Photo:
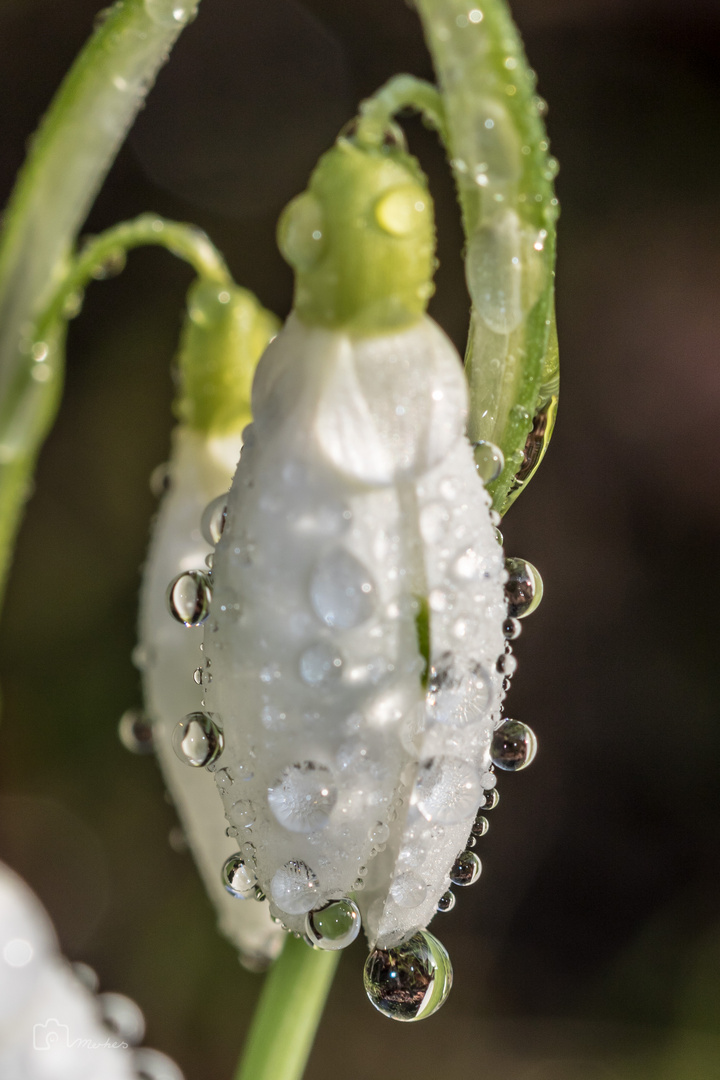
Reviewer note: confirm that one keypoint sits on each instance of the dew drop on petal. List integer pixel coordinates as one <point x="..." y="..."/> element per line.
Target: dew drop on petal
<point x="466" y="869"/>
<point x="492" y="798"/>
<point x="295" y="888"/>
<point x="342" y="591"/>
<point x="446" y="902"/>
<point x="123" y="1017"/>
<point x="152" y="1065"/>
<point x="238" y="877"/>
<point x="523" y="589"/>
<point x="409" y="982"/>
<point x="334" y="926"/>
<point x="135" y="732"/>
<point x="212" y="522"/>
<point x="408" y="890"/>
<point x="512" y="629"/>
<point x="303" y="796"/>
<point x="321" y="665"/>
<point x="480" y="826"/>
<point x="513" y="746"/>
<point x="197" y="739"/>
<point x="489" y="460"/>
<point x="189" y="596"/>
<point x="447" y="790"/>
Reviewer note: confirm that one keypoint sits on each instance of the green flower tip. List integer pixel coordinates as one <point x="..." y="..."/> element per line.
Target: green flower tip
<point x="224" y="335"/>
<point x="361" y="240"/>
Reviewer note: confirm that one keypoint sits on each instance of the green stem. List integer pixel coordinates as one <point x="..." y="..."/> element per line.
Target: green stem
<point x="288" y="1014"/>
<point x="68" y="159"/>
<point x="400" y="92"/>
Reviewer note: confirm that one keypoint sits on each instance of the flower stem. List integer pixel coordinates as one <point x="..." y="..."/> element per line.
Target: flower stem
<point x="288" y="1014"/>
<point x="68" y="159"/>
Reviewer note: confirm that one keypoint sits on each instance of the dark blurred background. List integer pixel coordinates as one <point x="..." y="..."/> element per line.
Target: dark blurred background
<point x="590" y="949"/>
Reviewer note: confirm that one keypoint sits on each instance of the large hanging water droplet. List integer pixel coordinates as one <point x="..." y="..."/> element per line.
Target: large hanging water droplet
<point x="411" y="981"/>
<point x="198" y="739"/>
<point x="335" y="926"/>
<point x="489" y="460"/>
<point x="523" y="589"/>
<point x="239" y="878"/>
<point x="342" y="591"/>
<point x="321" y="665"/>
<point x="135" y="732"/>
<point x="466" y="869"/>
<point x="447" y="790"/>
<point x="513" y="746"/>
<point x="212" y="521"/>
<point x="295" y="888"/>
<point x="303" y="796"/>
<point x="189" y="596"/>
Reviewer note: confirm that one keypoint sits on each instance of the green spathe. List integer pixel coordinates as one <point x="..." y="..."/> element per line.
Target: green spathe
<point x="361" y="240"/>
<point x="224" y="335"/>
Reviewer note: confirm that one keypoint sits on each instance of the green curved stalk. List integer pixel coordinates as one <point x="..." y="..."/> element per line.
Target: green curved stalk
<point x="498" y="151"/>
<point x="68" y="159"/>
<point x="287" y="1017"/>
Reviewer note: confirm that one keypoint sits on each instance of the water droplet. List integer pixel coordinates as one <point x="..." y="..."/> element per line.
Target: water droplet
<point x="123" y="1017"/>
<point x="321" y="665"/>
<point x="243" y="814"/>
<point x="379" y="833"/>
<point x="303" y="797"/>
<point x="411" y="981"/>
<point x="213" y="519"/>
<point x="492" y="798"/>
<point x="438" y="600"/>
<point x="295" y="888"/>
<point x="114" y="262"/>
<point x="433" y="519"/>
<point x="197" y="739"/>
<point x="189" y="596"/>
<point x="447" y="790"/>
<point x="466" y="567"/>
<point x="238" y="878"/>
<point x="300" y="231"/>
<point x="489" y="460"/>
<point x="160" y="479"/>
<point x="480" y="826"/>
<point x="135" y="732"/>
<point x="152" y="1065"/>
<point x="170" y="12"/>
<point x="342" y="591"/>
<point x="466" y="869"/>
<point x="87" y="976"/>
<point x="446" y="902"/>
<point x="402" y="210"/>
<point x="523" y="589"/>
<point x="513" y="746"/>
<point x="511" y="629"/>
<point x="177" y="840"/>
<point x="408" y="890"/>
<point x="73" y="304"/>
<point x="198" y="676"/>
<point x="505" y="274"/>
<point x="335" y="926"/>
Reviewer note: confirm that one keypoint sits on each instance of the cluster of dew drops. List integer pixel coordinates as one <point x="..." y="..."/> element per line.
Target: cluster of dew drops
<point x="410" y="981"/>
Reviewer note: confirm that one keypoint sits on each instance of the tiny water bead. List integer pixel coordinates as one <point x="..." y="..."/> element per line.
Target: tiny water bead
<point x="123" y="1016"/>
<point x="198" y="739"/>
<point x="239" y="878"/>
<point x="135" y="732"/>
<point x="409" y="982"/>
<point x="523" y="589"/>
<point x="489" y="460"/>
<point x="512" y="629"/>
<point x="295" y="888"/>
<point x="466" y="869"/>
<point x="335" y="926"/>
<point x="408" y="890"/>
<point x="303" y="796"/>
<point x="513" y="746"/>
<point x="446" y="902"/>
<point x="492" y="798"/>
<point x="189" y="596"/>
<point x="342" y="591"/>
<point x="212" y="522"/>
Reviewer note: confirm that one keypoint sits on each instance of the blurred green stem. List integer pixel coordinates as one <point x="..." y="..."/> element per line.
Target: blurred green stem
<point x="288" y="1014"/>
<point x="68" y="159"/>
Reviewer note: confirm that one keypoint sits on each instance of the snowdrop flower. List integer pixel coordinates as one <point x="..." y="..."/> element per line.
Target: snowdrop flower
<point x="225" y="333"/>
<point x="358" y="624"/>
